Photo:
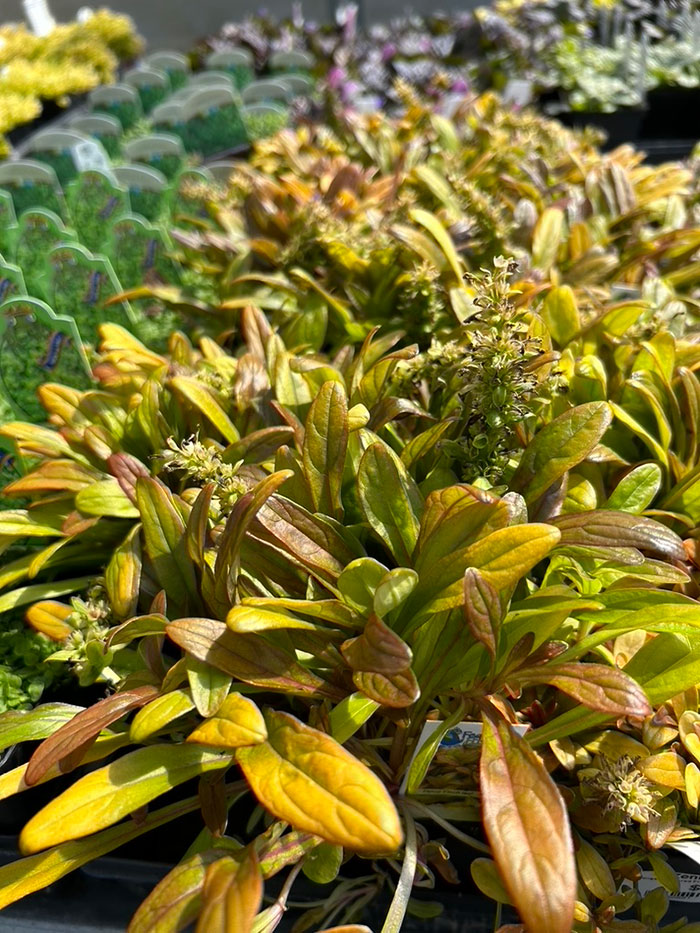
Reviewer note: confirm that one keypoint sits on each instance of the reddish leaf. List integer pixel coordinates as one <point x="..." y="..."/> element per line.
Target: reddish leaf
<point x="127" y="470"/>
<point x="67" y="746"/>
<point x="249" y="658"/>
<point x="377" y="649"/>
<point x="528" y="828"/>
<point x="396" y="691"/>
<point x="482" y="609"/>
<point x="608" y="528"/>
<point x="597" y="686"/>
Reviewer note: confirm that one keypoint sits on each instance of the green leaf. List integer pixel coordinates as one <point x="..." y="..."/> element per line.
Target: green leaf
<point x="106" y="498"/>
<point x="209" y="687"/>
<point x="103" y="797"/>
<point x="350" y="715"/>
<point x="306" y="778"/>
<point x="159" y="714"/>
<point x="559" y="447"/>
<point x="637" y="489"/>
<point x="164" y="534"/>
<point x="393" y="590"/>
<point x="31" y="725"/>
<point x="324" y="448"/>
<point x="322" y="864"/>
<point x="358" y="582"/>
<point x="527" y="826"/>
<point x="203" y="400"/>
<point x="390" y="501"/>
<point x="560" y="313"/>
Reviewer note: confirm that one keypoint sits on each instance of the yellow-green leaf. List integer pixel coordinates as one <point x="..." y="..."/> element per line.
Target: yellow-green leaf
<point x="546" y="240"/>
<point x="123" y="575"/>
<point x="237" y="723"/>
<point x="559" y="447"/>
<point x="560" y="313"/>
<point x="232" y="894"/>
<point x="159" y="713"/>
<point x="306" y="778"/>
<point x="106" y="498"/>
<point x="202" y="399"/>
<point x="103" y="797"/>
<point x="26" y="875"/>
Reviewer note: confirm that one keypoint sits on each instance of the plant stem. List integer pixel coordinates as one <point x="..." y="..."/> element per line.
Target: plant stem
<point x="402" y="894"/>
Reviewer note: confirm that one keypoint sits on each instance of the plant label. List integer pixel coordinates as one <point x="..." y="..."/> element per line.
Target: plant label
<point x="464" y="735"/>
<point x="37" y="346"/>
<point x="32" y="184"/>
<point x="146" y="187"/>
<point x="39" y="17"/>
<point x="95" y="200"/>
<point x="40" y="231"/>
<point x="89" y="155"/>
<point x="81" y="286"/>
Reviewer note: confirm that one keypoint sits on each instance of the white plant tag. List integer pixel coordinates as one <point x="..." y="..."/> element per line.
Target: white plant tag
<point x="518" y="92"/>
<point x="39" y="17"/>
<point x="89" y="156"/>
<point x="688" y="847"/>
<point x="688" y="886"/>
<point x="463" y="735"/>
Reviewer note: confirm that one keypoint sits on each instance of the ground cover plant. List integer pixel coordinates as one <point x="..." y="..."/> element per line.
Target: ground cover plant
<point x="427" y="455"/>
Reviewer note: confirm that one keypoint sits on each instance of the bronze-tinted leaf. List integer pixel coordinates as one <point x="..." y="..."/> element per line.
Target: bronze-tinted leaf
<point x="324" y="448"/>
<point x="528" y="828"/>
<point x="482" y="609"/>
<point x="608" y="528"/>
<point x="127" y="470"/>
<point x="394" y="690"/>
<point x="377" y="649"/>
<point x="598" y="687"/>
<point x="249" y="658"/>
<point x="69" y="743"/>
<point x="232" y="894"/>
